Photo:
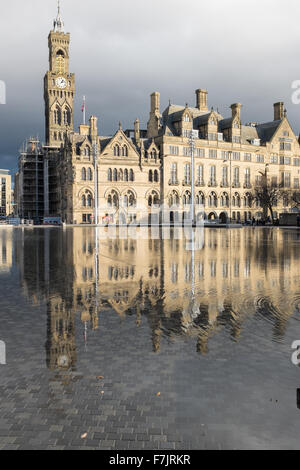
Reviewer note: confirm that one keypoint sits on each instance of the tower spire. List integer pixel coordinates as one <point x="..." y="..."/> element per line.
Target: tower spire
<point x="58" y="22"/>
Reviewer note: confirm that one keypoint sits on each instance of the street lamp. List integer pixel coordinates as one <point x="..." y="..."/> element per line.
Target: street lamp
<point x="95" y="152"/>
<point x="264" y="187"/>
<point x="192" y="136"/>
<point x="230" y="183"/>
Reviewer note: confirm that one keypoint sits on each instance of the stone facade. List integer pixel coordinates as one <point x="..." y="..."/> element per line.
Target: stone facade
<point x="230" y="158"/>
<point x="139" y="170"/>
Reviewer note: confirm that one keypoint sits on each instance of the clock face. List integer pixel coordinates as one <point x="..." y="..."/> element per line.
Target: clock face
<point x="61" y="82"/>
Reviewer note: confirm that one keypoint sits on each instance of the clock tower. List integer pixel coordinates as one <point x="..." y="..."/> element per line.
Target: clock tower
<point x="59" y="86"/>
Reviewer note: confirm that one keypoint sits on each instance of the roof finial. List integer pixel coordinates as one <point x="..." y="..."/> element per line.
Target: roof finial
<point x="58" y="22"/>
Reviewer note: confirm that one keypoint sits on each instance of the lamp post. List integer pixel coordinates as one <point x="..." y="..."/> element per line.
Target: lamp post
<point x="265" y="187"/>
<point x="192" y="136"/>
<point x="95" y="152"/>
<point x="230" y="183"/>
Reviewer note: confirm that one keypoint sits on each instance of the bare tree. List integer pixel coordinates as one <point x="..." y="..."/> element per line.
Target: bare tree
<point x="294" y="198"/>
<point x="267" y="195"/>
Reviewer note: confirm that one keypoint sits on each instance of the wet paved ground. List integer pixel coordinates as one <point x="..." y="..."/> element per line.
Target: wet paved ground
<point x="240" y="394"/>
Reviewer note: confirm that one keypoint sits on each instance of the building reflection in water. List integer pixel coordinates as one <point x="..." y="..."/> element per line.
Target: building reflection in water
<point x="179" y="291"/>
<point x="6" y="249"/>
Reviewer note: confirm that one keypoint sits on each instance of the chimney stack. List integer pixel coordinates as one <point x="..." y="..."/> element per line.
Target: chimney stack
<point x="93" y="127"/>
<point x="236" y="110"/>
<point x="153" y="125"/>
<point x="201" y="99"/>
<point x="278" y="111"/>
<point x="137" y="131"/>
<point x="155" y="102"/>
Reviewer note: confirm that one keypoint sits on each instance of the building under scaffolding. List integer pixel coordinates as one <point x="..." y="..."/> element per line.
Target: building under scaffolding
<point x="31" y="180"/>
<point x="36" y="181"/>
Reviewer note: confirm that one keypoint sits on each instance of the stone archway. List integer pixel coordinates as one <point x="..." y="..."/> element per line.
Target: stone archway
<point x="212" y="216"/>
<point x="223" y="218"/>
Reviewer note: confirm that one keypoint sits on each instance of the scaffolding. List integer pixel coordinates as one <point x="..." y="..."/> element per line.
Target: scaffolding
<point x="31" y="180"/>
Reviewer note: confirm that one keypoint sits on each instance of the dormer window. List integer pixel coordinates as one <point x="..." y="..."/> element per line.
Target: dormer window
<point x="212" y="122"/>
<point x="255" y="142"/>
<point x="236" y="125"/>
<point x="186" y="118"/>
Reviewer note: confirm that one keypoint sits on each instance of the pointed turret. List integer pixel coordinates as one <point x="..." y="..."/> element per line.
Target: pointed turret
<point x="58" y="22"/>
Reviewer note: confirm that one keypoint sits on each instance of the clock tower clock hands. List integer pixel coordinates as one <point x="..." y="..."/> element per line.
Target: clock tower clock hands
<point x="59" y="85"/>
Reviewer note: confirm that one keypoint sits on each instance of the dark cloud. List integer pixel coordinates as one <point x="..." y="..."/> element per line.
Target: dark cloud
<point x="121" y="51"/>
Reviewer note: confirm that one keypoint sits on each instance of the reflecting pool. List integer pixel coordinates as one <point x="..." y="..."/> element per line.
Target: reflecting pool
<point x="158" y="342"/>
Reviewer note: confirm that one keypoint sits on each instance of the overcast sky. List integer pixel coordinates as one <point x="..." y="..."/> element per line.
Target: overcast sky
<point x="122" y="50"/>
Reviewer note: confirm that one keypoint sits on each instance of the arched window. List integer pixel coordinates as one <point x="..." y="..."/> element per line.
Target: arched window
<point x="153" y="199"/>
<point x="200" y="199"/>
<point x="121" y="176"/>
<point x="60" y="62"/>
<point x="109" y="175"/>
<point x="89" y="200"/>
<point x="153" y="154"/>
<point x="83" y="174"/>
<point x="89" y="174"/>
<point x="186" y="198"/>
<point x="83" y="201"/>
<point x="113" y="199"/>
<point x="174" y="199"/>
<point x="115" y="175"/>
<point x="150" y="176"/>
<point x="125" y="151"/>
<point x="67" y="116"/>
<point x="57" y="115"/>
<point x="125" y="174"/>
<point x="131" y="175"/>
<point x="116" y="151"/>
<point x="236" y="200"/>
<point x="129" y="199"/>
<point x="248" y="198"/>
<point x="213" y="200"/>
<point x="224" y="200"/>
<point x="156" y="178"/>
<point x="55" y="136"/>
<point x="86" y="151"/>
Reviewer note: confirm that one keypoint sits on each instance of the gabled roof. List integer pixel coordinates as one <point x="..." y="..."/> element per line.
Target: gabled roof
<point x="225" y="123"/>
<point x="204" y="118"/>
<point x="267" y="130"/>
<point x="107" y="141"/>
